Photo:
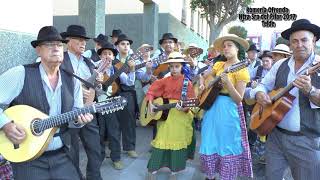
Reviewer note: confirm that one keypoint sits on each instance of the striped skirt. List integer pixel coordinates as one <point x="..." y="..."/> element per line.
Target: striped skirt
<point x="5" y="170"/>
<point x="219" y="152"/>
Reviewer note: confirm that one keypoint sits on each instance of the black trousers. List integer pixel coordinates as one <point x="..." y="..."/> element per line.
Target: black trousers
<point x="127" y="122"/>
<point x="56" y="165"/>
<point x="90" y="138"/>
<point x="119" y="123"/>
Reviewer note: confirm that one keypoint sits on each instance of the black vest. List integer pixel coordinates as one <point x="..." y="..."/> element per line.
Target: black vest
<point x="309" y="118"/>
<point x="259" y="73"/>
<point x="258" y="63"/>
<point x="33" y="94"/>
<point x="94" y="55"/>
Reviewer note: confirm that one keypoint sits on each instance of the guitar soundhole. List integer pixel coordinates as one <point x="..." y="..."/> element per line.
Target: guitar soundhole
<point x="37" y="127"/>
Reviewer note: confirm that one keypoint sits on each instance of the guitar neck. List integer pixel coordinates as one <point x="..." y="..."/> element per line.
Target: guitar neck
<point x="115" y="75"/>
<point x="282" y="92"/>
<point x="196" y="78"/>
<point x="165" y="107"/>
<point x="60" y="119"/>
<point x="212" y="83"/>
<point x="139" y="66"/>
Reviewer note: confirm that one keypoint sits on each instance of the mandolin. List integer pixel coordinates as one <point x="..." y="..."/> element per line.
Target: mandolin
<point x="213" y="85"/>
<point x="264" y="119"/>
<point x="40" y="128"/>
<point x="162" y="108"/>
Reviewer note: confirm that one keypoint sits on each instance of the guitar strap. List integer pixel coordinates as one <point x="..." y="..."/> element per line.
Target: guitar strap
<point x="86" y="83"/>
<point x="184" y="88"/>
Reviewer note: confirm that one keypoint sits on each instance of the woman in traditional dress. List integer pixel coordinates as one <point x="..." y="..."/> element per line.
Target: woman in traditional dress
<point x="174" y="143"/>
<point x="224" y="145"/>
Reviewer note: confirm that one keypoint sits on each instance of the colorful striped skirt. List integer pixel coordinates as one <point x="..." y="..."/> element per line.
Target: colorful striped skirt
<point x="5" y="170"/>
<point x="224" y="143"/>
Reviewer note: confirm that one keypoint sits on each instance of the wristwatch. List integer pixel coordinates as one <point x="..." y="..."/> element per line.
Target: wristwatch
<point x="312" y="91"/>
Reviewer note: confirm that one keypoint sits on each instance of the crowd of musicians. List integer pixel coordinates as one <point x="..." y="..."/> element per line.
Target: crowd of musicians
<point x="58" y="83"/>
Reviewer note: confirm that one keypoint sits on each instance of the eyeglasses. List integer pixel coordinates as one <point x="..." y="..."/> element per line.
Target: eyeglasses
<point x="50" y="45"/>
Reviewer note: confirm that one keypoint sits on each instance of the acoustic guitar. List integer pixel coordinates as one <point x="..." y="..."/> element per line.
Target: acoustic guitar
<point x="264" y="119"/>
<point x="213" y="85"/>
<point x="162" y="109"/>
<point x="40" y="128"/>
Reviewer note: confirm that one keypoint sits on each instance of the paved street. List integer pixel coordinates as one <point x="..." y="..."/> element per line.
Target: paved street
<point x="135" y="169"/>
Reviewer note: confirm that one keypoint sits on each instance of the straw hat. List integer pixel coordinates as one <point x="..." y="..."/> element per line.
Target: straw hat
<point x="211" y="47"/>
<point x="218" y="43"/>
<point x="281" y="49"/>
<point x="191" y="45"/>
<point x="175" y="57"/>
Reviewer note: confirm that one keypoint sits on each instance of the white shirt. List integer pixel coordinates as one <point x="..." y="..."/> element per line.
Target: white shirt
<point x="291" y="120"/>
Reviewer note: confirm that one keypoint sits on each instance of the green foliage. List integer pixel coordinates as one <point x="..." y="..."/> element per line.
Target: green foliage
<point x="250" y="42"/>
<point x="218" y="8"/>
<point x="281" y="40"/>
<point x="239" y="31"/>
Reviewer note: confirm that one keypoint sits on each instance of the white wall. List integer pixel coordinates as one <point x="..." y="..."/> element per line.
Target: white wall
<point x="25" y="16"/>
<point x="70" y="7"/>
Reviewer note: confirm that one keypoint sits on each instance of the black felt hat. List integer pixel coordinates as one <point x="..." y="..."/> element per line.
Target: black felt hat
<point x="47" y="33"/>
<point x="123" y="37"/>
<point x="101" y="39"/>
<point x="116" y="33"/>
<point x="75" y="31"/>
<point x="168" y="36"/>
<point x="109" y="46"/>
<point x="301" y="24"/>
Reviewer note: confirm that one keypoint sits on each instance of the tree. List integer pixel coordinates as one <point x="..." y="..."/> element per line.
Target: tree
<point x="218" y="13"/>
<point x="243" y="33"/>
<point x="239" y="31"/>
<point x="281" y="40"/>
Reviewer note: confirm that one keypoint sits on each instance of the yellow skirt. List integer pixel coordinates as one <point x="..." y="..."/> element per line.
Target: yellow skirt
<point x="175" y="133"/>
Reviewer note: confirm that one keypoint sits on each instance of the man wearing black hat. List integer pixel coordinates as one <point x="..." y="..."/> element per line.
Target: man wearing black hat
<point x="295" y="141"/>
<point x="115" y="35"/>
<point x="92" y="53"/>
<point x="253" y="57"/>
<point x="119" y="122"/>
<point x="75" y="62"/>
<point x="167" y="45"/>
<point x="127" y="117"/>
<point x="52" y="96"/>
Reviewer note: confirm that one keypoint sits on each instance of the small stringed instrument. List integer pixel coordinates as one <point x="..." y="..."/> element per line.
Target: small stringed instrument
<point x="162" y="109"/>
<point x="161" y="68"/>
<point x="196" y="80"/>
<point x="121" y="67"/>
<point x="213" y="85"/>
<point x="264" y="119"/>
<point x="40" y="128"/>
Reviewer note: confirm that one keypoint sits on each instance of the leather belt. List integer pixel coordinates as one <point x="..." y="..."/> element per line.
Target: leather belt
<point x="53" y="152"/>
<point x="291" y="133"/>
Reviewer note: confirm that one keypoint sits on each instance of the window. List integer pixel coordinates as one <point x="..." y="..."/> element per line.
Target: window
<point x="192" y="20"/>
<point x="184" y="13"/>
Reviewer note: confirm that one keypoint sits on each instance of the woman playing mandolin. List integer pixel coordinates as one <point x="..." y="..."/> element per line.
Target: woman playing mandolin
<point x="173" y="143"/>
<point x="224" y="143"/>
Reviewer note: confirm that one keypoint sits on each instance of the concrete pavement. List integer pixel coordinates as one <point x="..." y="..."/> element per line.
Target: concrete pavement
<point x="136" y="169"/>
